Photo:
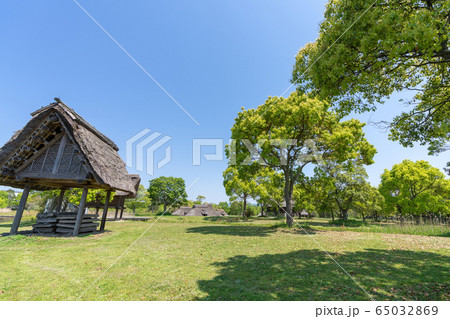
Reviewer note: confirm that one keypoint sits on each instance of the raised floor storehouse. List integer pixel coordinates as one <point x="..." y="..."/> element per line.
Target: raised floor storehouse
<point x="59" y="150"/>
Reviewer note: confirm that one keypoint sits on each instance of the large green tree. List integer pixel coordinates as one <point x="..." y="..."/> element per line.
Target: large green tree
<point x="367" y="51"/>
<point x="370" y="203"/>
<point x="167" y="191"/>
<point x="285" y="135"/>
<point x="415" y="188"/>
<point x="345" y="185"/>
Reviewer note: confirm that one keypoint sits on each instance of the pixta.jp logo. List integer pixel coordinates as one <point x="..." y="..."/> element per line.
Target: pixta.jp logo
<point x="141" y="149"/>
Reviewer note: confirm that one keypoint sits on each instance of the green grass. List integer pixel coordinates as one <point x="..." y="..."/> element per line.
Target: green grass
<point x="388" y="228"/>
<point x="224" y="259"/>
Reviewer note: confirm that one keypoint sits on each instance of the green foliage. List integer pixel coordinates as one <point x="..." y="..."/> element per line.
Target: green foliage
<point x="223" y="205"/>
<point x="7" y="198"/>
<point x="269" y="187"/>
<point x="252" y="210"/>
<point x="167" y="191"/>
<point x="141" y="202"/>
<point x="344" y="185"/>
<point x="3" y="201"/>
<point x="304" y="199"/>
<point x="365" y="54"/>
<point x="200" y="199"/>
<point x="236" y="208"/>
<point x="415" y="188"/>
<point x="302" y="131"/>
<point x="370" y="203"/>
<point x="39" y="198"/>
<point x="239" y="185"/>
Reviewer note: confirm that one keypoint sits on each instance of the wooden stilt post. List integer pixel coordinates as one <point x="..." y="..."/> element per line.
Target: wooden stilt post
<point x="105" y="211"/>
<point x="121" y="213"/>
<point x="60" y="201"/>
<point x="19" y="212"/>
<point x="80" y="214"/>
<point x="117" y="212"/>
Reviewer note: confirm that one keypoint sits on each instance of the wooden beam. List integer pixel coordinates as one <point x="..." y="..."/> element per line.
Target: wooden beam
<point x="19" y="212"/>
<point x="105" y="211"/>
<point x="60" y="154"/>
<point x="122" y="207"/>
<point x="60" y="200"/>
<point x="80" y="214"/>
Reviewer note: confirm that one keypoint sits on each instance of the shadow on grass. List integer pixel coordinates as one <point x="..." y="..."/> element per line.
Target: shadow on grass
<point x="312" y="275"/>
<point x="249" y="231"/>
<point x="228" y="219"/>
<point x="22" y="224"/>
<point x="244" y="231"/>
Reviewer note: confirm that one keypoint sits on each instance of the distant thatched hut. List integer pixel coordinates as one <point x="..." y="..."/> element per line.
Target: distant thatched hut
<point x="304" y="213"/>
<point x="58" y="149"/>
<point x="281" y="209"/>
<point x="199" y="210"/>
<point x="182" y="211"/>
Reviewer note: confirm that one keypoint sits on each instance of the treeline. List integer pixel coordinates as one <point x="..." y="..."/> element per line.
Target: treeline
<point x="411" y="190"/>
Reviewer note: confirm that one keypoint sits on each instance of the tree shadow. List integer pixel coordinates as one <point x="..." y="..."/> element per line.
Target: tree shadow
<point x="249" y="231"/>
<point x="313" y="275"/>
<point x="22" y="224"/>
<point x="244" y="231"/>
<point x="227" y="219"/>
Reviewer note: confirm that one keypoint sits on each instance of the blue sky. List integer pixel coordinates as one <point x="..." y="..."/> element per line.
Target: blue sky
<point x="212" y="56"/>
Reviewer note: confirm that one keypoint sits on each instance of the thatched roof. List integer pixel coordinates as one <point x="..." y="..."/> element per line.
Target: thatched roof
<point x="88" y="159"/>
<point x="182" y="211"/>
<point x="304" y="213"/>
<point x="202" y="210"/>
<point x="118" y="201"/>
<point x="199" y="210"/>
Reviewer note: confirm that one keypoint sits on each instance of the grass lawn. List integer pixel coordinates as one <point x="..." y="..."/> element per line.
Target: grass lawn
<point x="203" y="259"/>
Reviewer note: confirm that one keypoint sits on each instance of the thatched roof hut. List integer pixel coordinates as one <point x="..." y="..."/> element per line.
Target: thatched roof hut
<point x="182" y="211"/>
<point x="304" y="213"/>
<point x="199" y="210"/>
<point x="58" y="149"/>
<point x="87" y="156"/>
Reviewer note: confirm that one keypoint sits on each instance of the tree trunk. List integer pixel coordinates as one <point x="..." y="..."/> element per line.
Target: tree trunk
<point x="134" y="210"/>
<point x="244" y="211"/>
<point x="289" y="217"/>
<point x="345" y="215"/>
<point x="288" y="192"/>
<point x="165" y="207"/>
<point x="332" y="215"/>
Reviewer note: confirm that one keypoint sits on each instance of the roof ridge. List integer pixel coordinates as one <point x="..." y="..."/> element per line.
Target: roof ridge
<point x="77" y="118"/>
